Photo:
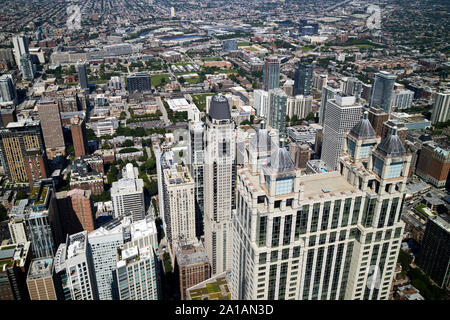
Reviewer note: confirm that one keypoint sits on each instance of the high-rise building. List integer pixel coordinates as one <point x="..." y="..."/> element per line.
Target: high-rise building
<point x="136" y="274"/>
<point x="49" y="115"/>
<point x="382" y="94"/>
<point x="27" y="67"/>
<point x="104" y="242"/>
<point x="6" y="54"/>
<point x="79" y="138"/>
<point x="433" y="165"/>
<point x="271" y="73"/>
<point x="300" y="154"/>
<point x="230" y="45"/>
<point x="14" y="263"/>
<point x="277" y="110"/>
<point x="403" y="99"/>
<point x="42" y="282"/>
<point x="23" y="154"/>
<point x="128" y="194"/>
<point x="434" y="256"/>
<point x="139" y="82"/>
<point x="299" y="106"/>
<point x="179" y="204"/>
<point x="303" y="79"/>
<point x="75" y="267"/>
<point x="83" y="207"/>
<point x="261" y="102"/>
<point x="82" y="75"/>
<point x="196" y="168"/>
<point x="377" y="117"/>
<point x="172" y="12"/>
<point x="20" y="44"/>
<point x="352" y="87"/>
<point x="39" y="216"/>
<point x="328" y="93"/>
<point x="8" y="91"/>
<point x="219" y="173"/>
<point x="326" y="236"/>
<point x="441" y="108"/>
<point x="192" y="263"/>
<point x="341" y="114"/>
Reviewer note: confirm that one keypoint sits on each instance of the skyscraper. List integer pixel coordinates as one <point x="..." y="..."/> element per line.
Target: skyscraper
<point x="27" y="67"/>
<point x="23" y="152"/>
<point x="128" y="194"/>
<point x="136" y="274"/>
<point x="326" y="236"/>
<point x="328" y="93"/>
<point x="277" y="110"/>
<point x="261" y="102"/>
<point x="179" y="205"/>
<point x="104" y="242"/>
<point x="51" y="124"/>
<point x="303" y="79"/>
<point x="382" y="94"/>
<point x="78" y="130"/>
<point x="196" y="167"/>
<point x="219" y="172"/>
<point x="42" y="282"/>
<point x="14" y="263"/>
<point x="8" y="91"/>
<point x="341" y="114"/>
<point x="20" y="44"/>
<point x="271" y="73"/>
<point x="83" y="208"/>
<point x="75" y="266"/>
<point x="441" y="107"/>
<point x="299" y="106"/>
<point x="434" y="257"/>
<point x="82" y="75"/>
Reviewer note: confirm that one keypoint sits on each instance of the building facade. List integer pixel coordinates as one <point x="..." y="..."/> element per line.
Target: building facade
<point x="219" y="173"/>
<point x="382" y="94"/>
<point x="271" y="73"/>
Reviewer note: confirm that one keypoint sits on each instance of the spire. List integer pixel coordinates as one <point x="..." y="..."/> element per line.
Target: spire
<point x="392" y="146"/>
<point x="281" y="161"/>
<point x="363" y="129"/>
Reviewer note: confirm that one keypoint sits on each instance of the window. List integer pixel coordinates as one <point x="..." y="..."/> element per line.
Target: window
<point x="262" y="258"/>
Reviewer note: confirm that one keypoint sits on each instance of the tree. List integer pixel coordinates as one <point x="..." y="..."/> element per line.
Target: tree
<point x="112" y="175"/>
<point x="310" y="117"/>
<point x="21" y="195"/>
<point x="152" y="188"/>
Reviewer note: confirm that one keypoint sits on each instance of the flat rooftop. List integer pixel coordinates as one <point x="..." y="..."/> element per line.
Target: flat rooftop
<point x="332" y="182"/>
<point x="40" y="268"/>
<point x="215" y="288"/>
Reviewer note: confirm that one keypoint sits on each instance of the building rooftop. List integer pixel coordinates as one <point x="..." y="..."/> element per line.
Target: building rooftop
<point x="319" y="184"/>
<point x="76" y="244"/>
<point x="215" y="288"/>
<point x="219" y="108"/>
<point x="191" y="254"/>
<point x="143" y="228"/>
<point x="40" y="268"/>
